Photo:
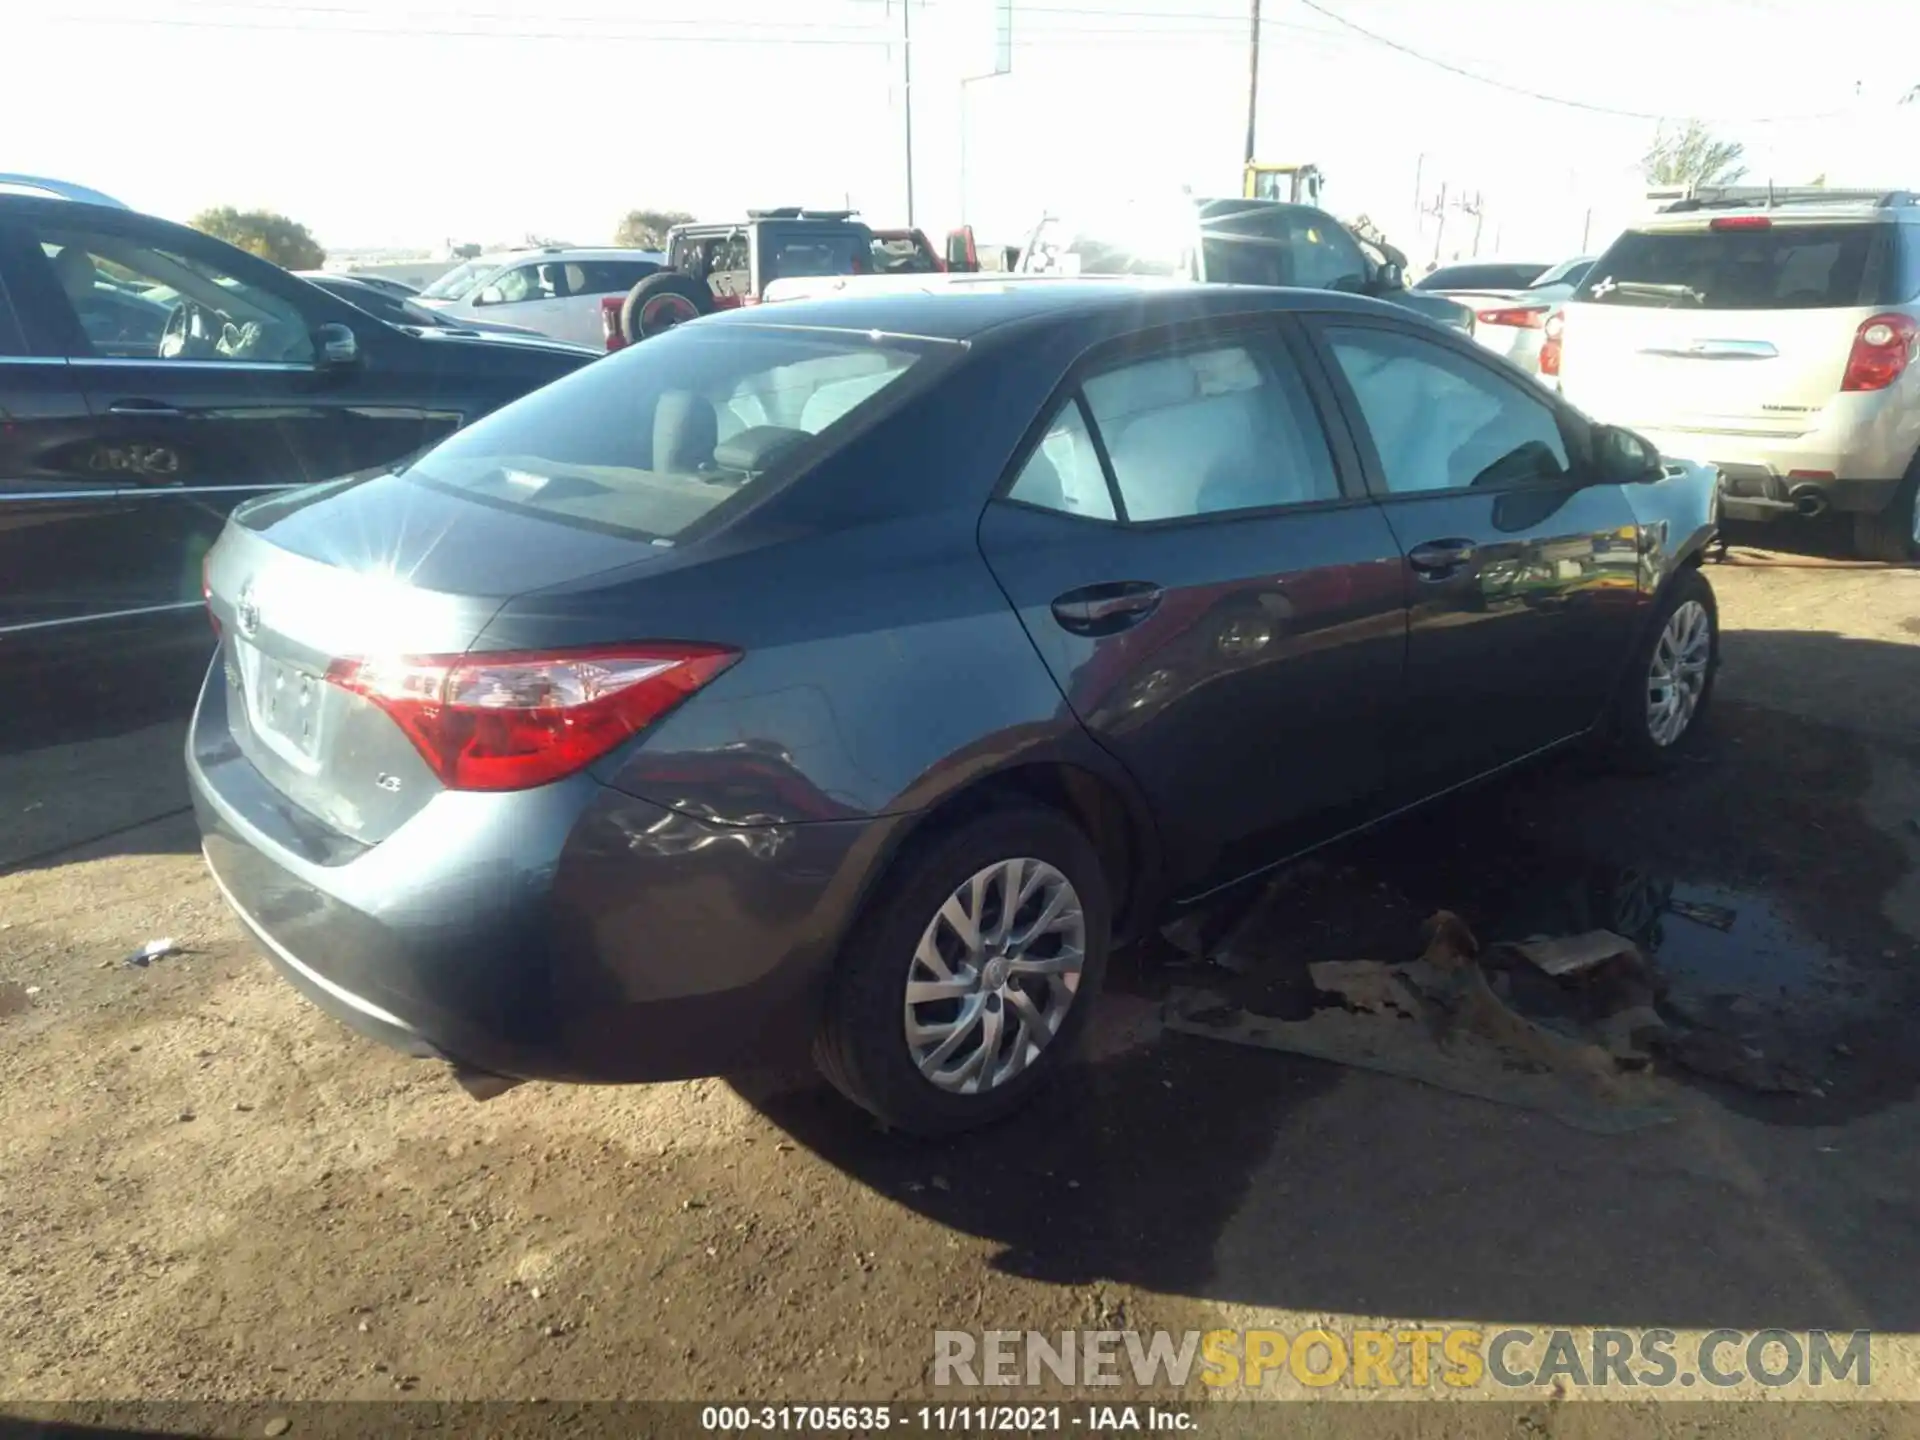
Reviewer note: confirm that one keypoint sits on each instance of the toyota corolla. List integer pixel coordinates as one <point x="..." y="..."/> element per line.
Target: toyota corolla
<point x="851" y="679"/>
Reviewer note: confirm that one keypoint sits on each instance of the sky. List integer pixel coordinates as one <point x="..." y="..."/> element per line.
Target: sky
<point x="418" y="122"/>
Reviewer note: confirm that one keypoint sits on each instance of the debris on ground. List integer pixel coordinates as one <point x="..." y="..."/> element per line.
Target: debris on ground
<point x="1572" y="1025"/>
<point x="1718" y="917"/>
<point x="153" y="950"/>
<point x="1438" y="1020"/>
<point x="15" y="999"/>
<point x="1570" y="954"/>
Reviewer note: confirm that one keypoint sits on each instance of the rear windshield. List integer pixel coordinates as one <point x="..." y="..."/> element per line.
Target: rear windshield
<point x="1481" y="277"/>
<point x="651" y="440"/>
<point x="1567" y="272"/>
<point x="816" y="250"/>
<point x="1782" y="267"/>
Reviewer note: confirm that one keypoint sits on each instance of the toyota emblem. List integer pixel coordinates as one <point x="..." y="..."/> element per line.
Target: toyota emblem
<point x="246" y="611"/>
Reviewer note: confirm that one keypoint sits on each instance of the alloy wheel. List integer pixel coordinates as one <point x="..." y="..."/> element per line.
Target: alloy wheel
<point x="994" y="975"/>
<point x="1678" y="675"/>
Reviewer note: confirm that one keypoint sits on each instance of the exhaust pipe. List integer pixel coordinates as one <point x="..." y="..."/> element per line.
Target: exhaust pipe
<point x="482" y="1084"/>
<point x="1808" y="500"/>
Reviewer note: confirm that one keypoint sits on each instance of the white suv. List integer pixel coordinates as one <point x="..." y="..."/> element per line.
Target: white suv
<point x="551" y="290"/>
<point x="1771" y="335"/>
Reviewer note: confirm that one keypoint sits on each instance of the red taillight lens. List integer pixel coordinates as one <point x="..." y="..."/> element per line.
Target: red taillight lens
<point x="610" y="307"/>
<point x="1526" y="317"/>
<point x="1882" y="349"/>
<point x="1741" y="222"/>
<point x="1554" y="326"/>
<point x="513" y="721"/>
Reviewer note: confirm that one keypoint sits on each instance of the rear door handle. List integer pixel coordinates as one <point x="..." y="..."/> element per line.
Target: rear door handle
<point x="1438" y="559"/>
<point x="1107" y="609"/>
<point x="146" y="409"/>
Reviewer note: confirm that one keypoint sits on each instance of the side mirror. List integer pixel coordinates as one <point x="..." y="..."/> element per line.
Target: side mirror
<point x="1389" y="276"/>
<point x="1624" y="458"/>
<point x="962" y="255"/>
<point x="339" y="350"/>
<point x="489" y="296"/>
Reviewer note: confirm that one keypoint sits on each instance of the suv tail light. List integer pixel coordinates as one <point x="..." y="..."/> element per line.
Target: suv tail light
<point x="1882" y="348"/>
<point x="1526" y="317"/>
<point x="1553" y="326"/>
<point x="512" y="721"/>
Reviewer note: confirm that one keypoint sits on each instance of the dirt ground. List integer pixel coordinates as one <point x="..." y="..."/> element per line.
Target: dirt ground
<point x="210" y="1191"/>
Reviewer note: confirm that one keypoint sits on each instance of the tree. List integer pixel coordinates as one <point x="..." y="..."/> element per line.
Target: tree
<point x="647" y="229"/>
<point x="266" y="234"/>
<point x="1692" y="155"/>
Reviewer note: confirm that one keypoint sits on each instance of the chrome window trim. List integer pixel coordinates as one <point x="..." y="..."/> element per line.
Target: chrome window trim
<point x="115" y="362"/>
<point x="103" y="615"/>
<point x="33" y="360"/>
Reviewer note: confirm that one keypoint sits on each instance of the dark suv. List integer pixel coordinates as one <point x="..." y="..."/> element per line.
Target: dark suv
<point x="726" y="265"/>
<point x="152" y="378"/>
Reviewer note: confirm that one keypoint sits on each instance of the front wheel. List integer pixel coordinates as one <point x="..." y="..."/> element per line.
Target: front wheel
<point x="1657" y="717"/>
<point x="966" y="984"/>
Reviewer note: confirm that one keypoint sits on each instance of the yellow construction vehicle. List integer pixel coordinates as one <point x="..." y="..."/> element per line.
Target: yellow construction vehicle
<point x="1297" y="184"/>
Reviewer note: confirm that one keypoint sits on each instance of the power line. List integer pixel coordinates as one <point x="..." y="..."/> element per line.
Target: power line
<point x="1539" y="95"/>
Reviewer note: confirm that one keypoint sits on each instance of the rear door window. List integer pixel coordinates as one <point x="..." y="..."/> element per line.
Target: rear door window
<point x="1204" y="431"/>
<point x="1779" y="267"/>
<point x="609" y="277"/>
<point x="654" y="439"/>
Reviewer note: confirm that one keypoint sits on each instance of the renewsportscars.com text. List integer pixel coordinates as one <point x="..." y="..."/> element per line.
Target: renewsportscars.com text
<point x="1455" y="1357"/>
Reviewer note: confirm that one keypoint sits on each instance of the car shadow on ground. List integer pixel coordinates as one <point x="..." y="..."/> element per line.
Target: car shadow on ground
<point x="121" y="794"/>
<point x="1187" y="1166"/>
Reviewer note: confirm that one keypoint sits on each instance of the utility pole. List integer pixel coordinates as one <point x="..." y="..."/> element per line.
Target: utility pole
<point x="906" y="93"/>
<point x="1253" y="79"/>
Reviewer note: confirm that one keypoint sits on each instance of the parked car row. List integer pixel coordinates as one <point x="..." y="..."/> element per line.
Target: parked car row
<point x="152" y="378"/>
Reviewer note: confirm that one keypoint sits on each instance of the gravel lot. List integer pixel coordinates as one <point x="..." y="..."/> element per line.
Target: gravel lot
<point x="210" y="1191"/>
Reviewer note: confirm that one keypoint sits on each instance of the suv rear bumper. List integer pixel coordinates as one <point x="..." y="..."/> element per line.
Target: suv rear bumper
<point x="1750" y="494"/>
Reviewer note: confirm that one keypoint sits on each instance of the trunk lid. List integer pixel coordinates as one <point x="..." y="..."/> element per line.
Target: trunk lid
<point x="1725" y="330"/>
<point x="379" y="566"/>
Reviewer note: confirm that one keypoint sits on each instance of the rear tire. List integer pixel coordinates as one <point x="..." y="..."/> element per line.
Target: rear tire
<point x="1664" y="697"/>
<point x="663" y="300"/>
<point x="864" y="1046"/>
<point x="1893" y="534"/>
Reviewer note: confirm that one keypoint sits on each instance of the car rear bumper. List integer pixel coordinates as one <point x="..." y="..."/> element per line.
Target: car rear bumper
<point x="571" y="933"/>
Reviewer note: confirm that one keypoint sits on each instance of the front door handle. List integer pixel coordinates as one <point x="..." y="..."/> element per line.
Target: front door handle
<point x="1438" y="559"/>
<point x="1107" y="609"/>
<point x="146" y="409"/>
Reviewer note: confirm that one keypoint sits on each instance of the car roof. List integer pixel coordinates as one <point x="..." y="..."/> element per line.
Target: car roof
<point x="562" y="254"/>
<point x="966" y="307"/>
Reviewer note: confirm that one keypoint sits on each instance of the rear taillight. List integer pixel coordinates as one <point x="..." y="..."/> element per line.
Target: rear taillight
<point x="610" y="307"/>
<point x="1526" y="317"/>
<point x="513" y="721"/>
<point x="1882" y="349"/>
<point x="1553" y="327"/>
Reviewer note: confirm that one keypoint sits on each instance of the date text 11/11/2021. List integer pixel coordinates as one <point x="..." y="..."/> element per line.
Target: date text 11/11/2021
<point x="947" y="1419"/>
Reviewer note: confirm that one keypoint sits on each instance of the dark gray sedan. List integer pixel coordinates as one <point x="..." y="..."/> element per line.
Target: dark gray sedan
<point x="852" y="674"/>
